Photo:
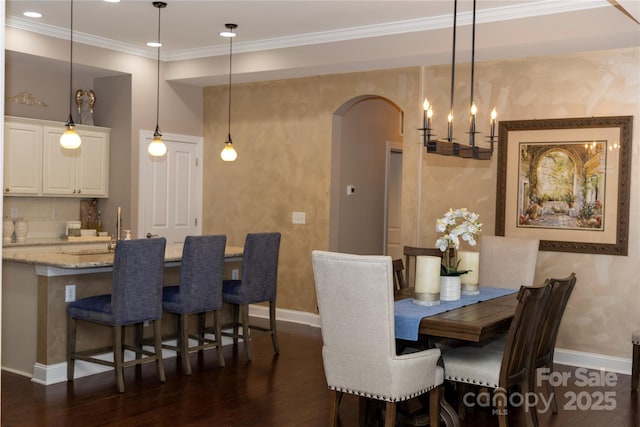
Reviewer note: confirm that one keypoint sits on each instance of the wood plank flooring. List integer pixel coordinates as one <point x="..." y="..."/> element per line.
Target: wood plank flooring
<point x="273" y="390"/>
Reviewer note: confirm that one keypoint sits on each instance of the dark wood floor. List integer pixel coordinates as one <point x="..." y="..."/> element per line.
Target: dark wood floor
<point x="284" y="390"/>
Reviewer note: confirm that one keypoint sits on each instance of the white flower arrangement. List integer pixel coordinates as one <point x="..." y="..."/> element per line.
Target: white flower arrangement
<point x="468" y="229"/>
<point x="457" y="225"/>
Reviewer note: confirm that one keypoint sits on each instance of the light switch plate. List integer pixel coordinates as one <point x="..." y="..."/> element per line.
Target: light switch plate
<point x="299" y="218"/>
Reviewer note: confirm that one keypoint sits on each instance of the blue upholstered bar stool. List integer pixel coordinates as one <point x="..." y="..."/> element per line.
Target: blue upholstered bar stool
<point x="199" y="292"/>
<point x="135" y="298"/>
<point x="257" y="284"/>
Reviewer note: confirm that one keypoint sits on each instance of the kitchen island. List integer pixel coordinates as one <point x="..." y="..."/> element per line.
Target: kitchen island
<point x="36" y="285"/>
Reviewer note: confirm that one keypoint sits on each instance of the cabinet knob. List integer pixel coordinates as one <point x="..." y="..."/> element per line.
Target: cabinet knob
<point x="7" y="190"/>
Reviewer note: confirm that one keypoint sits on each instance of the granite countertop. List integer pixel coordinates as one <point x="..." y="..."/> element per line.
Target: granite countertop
<point x="92" y="258"/>
<point x="54" y="241"/>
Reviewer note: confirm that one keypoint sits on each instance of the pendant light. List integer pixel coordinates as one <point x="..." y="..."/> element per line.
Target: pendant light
<point x="228" y="153"/>
<point x="70" y="138"/>
<point x="157" y="148"/>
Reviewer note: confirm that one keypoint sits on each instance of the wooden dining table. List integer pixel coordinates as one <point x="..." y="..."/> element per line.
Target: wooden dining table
<point x="474" y="323"/>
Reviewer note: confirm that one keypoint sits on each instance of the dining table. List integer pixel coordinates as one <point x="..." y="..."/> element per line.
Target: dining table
<point x="473" y="318"/>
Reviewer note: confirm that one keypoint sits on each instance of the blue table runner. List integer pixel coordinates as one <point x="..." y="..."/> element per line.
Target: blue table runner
<point x="408" y="315"/>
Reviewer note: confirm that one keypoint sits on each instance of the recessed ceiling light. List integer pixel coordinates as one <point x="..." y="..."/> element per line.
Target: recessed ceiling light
<point x="112" y="1"/>
<point x="31" y="14"/>
<point x="154" y="44"/>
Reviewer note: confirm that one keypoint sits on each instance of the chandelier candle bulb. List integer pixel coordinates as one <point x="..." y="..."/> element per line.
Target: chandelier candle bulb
<point x="427" y="287"/>
<point x="494" y="115"/>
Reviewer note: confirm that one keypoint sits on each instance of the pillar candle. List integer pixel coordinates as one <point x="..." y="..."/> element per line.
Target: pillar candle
<point x="427" y="274"/>
<point x="469" y="261"/>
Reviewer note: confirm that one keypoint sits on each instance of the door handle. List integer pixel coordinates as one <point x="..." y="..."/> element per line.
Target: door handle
<point x="149" y="235"/>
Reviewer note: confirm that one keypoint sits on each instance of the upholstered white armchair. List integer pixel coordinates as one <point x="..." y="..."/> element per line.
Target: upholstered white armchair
<point x="507" y="262"/>
<point x="356" y="304"/>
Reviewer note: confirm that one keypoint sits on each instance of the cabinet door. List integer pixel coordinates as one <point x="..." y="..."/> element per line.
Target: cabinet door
<point x="92" y="170"/>
<point x="22" y="159"/>
<point x="59" y="165"/>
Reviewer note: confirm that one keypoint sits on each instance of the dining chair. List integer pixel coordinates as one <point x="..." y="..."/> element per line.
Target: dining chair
<point x="398" y="274"/>
<point x="507" y="262"/>
<point x="635" y="363"/>
<point x="135" y="298"/>
<point x="258" y="283"/>
<point x="501" y="370"/>
<point x="356" y="306"/>
<point x="410" y="253"/>
<point x="199" y="292"/>
<point x="548" y="332"/>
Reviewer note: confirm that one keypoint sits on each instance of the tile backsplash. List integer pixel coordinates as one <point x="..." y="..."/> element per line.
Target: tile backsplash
<point x="47" y="216"/>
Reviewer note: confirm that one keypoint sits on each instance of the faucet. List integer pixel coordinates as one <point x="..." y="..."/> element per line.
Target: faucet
<point x="119" y="223"/>
<point x="114" y="242"/>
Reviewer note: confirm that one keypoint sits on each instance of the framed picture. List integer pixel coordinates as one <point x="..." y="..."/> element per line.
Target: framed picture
<point x="566" y="182"/>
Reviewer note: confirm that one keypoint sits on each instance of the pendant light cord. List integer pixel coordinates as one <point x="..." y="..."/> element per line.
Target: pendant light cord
<point x="473" y="50"/>
<point x="70" y="121"/>
<point x="158" y="78"/>
<point x="453" y="54"/>
<point x="229" y="117"/>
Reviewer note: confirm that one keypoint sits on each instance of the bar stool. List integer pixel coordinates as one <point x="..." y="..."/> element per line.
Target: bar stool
<point x="135" y="298"/>
<point x="257" y="284"/>
<point x="199" y="292"/>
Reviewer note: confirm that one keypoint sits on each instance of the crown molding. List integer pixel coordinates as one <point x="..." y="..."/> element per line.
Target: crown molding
<point x="504" y="13"/>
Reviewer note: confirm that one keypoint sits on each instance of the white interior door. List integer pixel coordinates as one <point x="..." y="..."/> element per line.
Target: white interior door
<point x="171" y="188"/>
<point x="393" y="201"/>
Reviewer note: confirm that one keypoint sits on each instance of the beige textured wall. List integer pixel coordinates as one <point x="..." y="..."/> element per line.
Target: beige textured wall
<point x="282" y="131"/>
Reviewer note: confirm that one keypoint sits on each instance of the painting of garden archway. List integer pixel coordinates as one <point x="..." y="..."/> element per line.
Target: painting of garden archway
<point x="566" y="182"/>
<point x="562" y="185"/>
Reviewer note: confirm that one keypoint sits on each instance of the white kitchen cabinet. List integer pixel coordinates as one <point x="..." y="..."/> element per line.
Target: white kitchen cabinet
<point x="82" y="172"/>
<point x="36" y="164"/>
<point x="22" y="158"/>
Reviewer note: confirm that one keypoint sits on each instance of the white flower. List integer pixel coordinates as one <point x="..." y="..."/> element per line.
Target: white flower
<point x="458" y="224"/>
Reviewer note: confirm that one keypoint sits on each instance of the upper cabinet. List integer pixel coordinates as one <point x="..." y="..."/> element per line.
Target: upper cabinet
<point x="22" y="158"/>
<point x="55" y="171"/>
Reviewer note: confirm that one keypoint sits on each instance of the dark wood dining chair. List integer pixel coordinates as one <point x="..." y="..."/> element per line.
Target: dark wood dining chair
<point x="398" y="275"/>
<point x="506" y="369"/>
<point x="635" y="362"/>
<point x="410" y="254"/>
<point x="548" y="332"/>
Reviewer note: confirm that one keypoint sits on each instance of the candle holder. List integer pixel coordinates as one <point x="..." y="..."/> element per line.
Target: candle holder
<point x="426" y="299"/>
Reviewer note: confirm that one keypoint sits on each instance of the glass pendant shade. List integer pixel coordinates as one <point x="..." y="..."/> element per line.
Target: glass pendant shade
<point x="228" y="153"/>
<point x="157" y="148"/>
<point x="70" y="138"/>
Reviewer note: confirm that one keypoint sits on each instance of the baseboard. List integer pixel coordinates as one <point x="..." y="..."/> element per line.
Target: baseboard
<point x="285" y="315"/>
<point x="593" y="361"/>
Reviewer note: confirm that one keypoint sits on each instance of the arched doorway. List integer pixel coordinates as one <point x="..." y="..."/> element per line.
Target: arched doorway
<point x="366" y="130"/>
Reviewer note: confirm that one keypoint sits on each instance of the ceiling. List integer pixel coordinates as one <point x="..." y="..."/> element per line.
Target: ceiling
<point x="284" y="39"/>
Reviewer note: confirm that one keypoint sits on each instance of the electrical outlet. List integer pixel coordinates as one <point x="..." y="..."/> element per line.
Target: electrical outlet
<point x="70" y="293"/>
<point x="14" y="213"/>
<point x="299" y="218"/>
<point x="235" y="274"/>
<point x="55" y="213"/>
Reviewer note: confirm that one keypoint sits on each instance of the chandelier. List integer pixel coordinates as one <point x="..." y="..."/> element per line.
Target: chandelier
<point x="448" y="146"/>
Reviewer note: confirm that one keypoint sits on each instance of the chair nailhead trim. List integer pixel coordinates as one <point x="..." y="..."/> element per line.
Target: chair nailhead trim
<point x="470" y="381"/>
<point x="385" y="398"/>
